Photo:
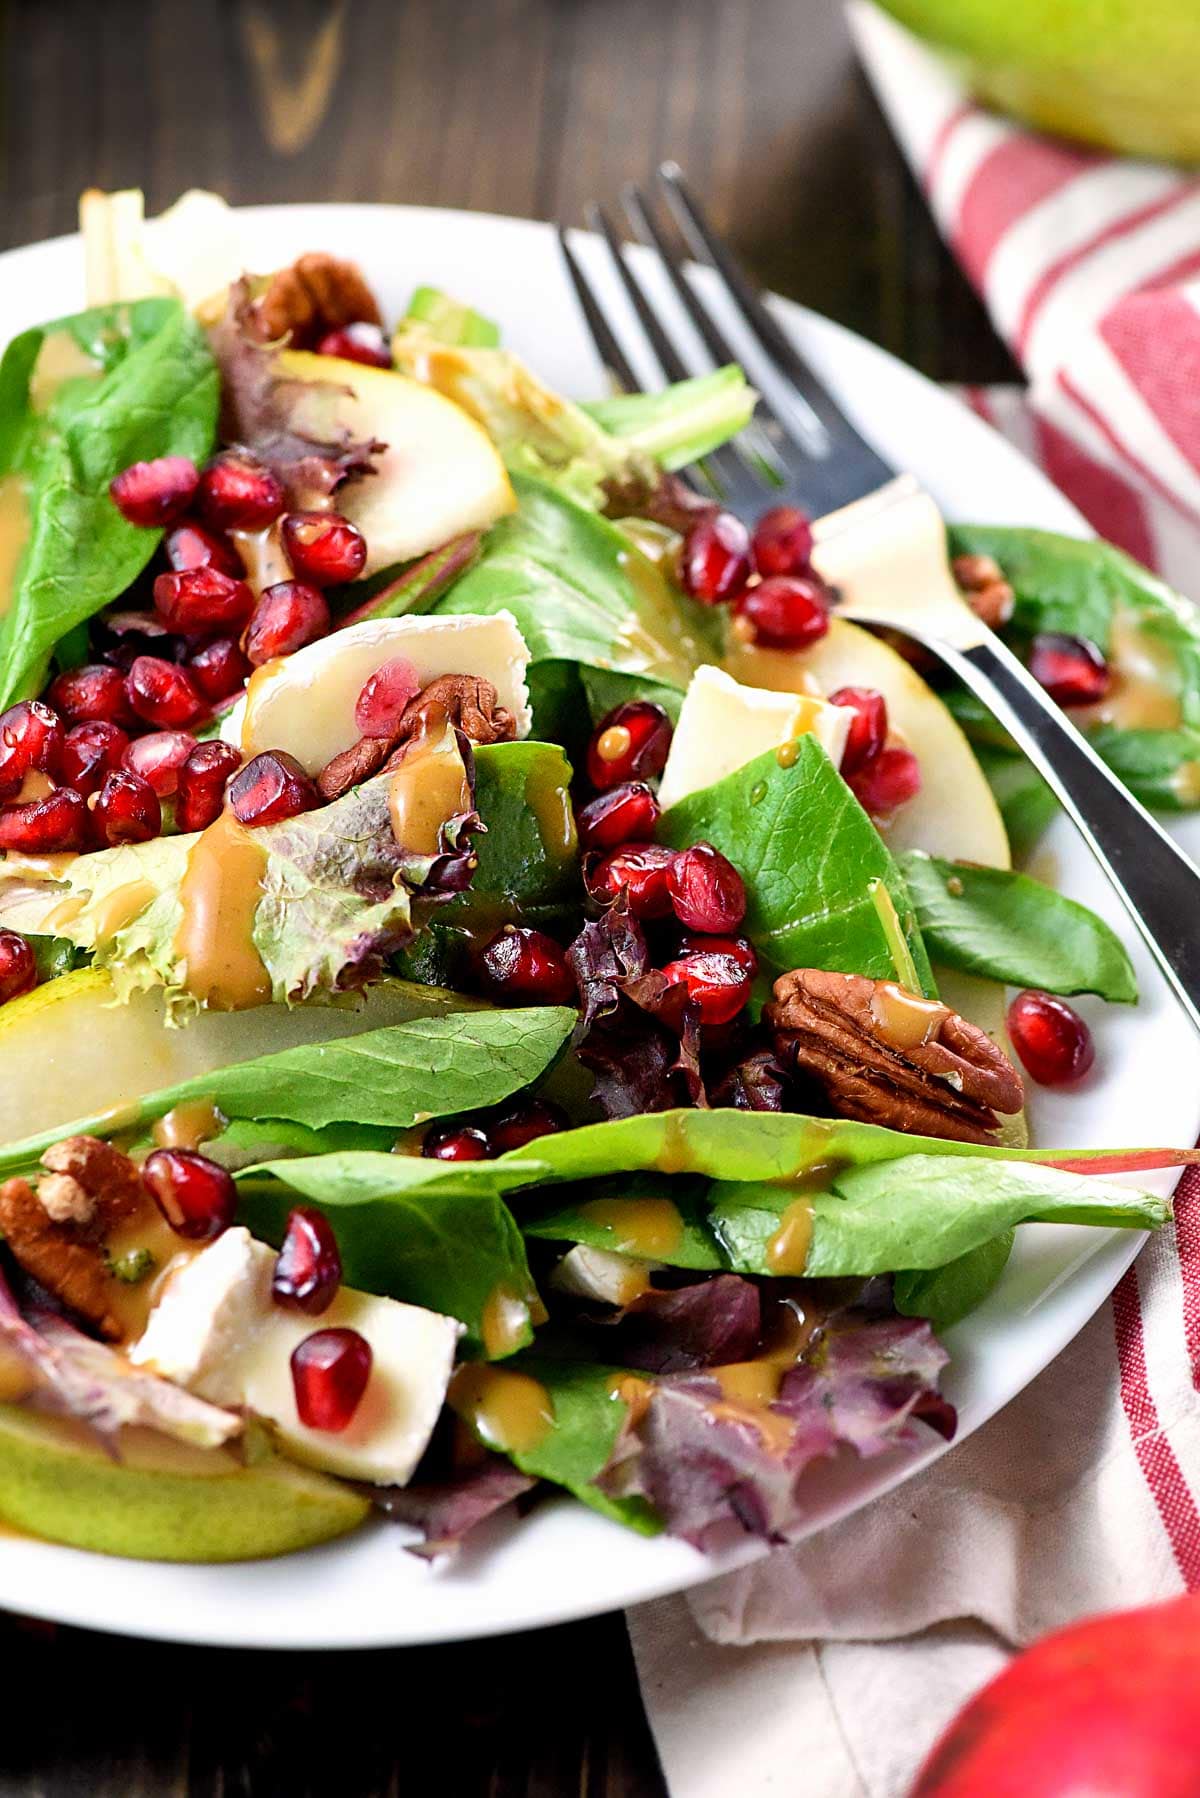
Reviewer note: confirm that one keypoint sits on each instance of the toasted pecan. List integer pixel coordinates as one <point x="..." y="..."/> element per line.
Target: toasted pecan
<point x="882" y="1059"/>
<point x="470" y="703"/>
<point x="358" y="763"/>
<point x="983" y="586"/>
<point x="318" y="293"/>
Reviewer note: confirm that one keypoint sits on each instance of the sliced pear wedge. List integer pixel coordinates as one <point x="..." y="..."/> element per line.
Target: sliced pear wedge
<point x="161" y="1500"/>
<point x="439" y="475"/>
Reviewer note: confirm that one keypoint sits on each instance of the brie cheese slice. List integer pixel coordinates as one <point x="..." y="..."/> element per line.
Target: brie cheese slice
<point x="723" y="725"/>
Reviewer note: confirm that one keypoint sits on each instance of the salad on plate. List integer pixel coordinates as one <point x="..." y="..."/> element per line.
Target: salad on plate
<point x="502" y="987"/>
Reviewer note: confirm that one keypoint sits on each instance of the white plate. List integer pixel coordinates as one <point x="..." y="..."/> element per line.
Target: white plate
<point x="563" y="1561"/>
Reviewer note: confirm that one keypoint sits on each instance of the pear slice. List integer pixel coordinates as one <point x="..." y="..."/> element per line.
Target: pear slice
<point x="69" y="1050"/>
<point x="439" y="475"/>
<point x="162" y="1500"/>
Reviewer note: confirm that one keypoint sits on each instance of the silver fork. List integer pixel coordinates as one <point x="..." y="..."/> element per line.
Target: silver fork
<point x="881" y="541"/>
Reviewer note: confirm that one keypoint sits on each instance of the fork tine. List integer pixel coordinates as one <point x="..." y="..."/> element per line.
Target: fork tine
<point x="671" y="362"/>
<point x="617" y="365"/>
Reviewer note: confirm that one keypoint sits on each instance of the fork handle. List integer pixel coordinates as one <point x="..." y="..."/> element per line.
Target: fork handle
<point x="1160" y="887"/>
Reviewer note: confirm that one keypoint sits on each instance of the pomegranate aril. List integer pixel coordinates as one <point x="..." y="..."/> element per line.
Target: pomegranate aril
<point x="196" y="1196"/>
<point x="456" y="1142"/>
<point x="31" y="736"/>
<point x="786" y="611"/>
<point x="191" y="544"/>
<point x="46" y="826"/>
<point x="707" y="892"/>
<point x="238" y="494"/>
<point x="218" y="668"/>
<point x="18" y="966"/>
<point x="523" y="1122"/>
<point x="155" y="493"/>
<point x="162" y="693"/>
<point x="782" y="541"/>
<point x="270" y="788"/>
<point x="1071" y="669"/>
<point x="888" y="781"/>
<point x="126" y="810"/>
<point x="287" y="616"/>
<point x="868" y="727"/>
<point x="94" y="692"/>
<point x="715" y="560"/>
<point x="357" y="343"/>
<point x="526" y="967"/>
<point x="640" y="870"/>
<point x="200" y="794"/>
<point x="1054" y="1044"/>
<point x="324" y="547"/>
<point x="630" y="743"/>
<point x="197" y="600"/>
<point x="308" y="1271"/>
<point x="742" y="951"/>
<point x="330" y="1370"/>
<point x="378" y="708"/>
<point x="158" y="758"/>
<point x="716" y="984"/>
<point x="90" y="752"/>
<point x="625" y="814"/>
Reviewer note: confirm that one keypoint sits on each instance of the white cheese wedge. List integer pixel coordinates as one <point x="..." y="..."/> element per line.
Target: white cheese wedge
<point x="601" y="1275"/>
<point x="217" y="1331"/>
<point x="723" y="725"/>
<point x="306" y="704"/>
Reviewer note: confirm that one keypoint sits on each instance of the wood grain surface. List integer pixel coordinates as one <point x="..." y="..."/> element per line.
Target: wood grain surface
<point x="519" y="106"/>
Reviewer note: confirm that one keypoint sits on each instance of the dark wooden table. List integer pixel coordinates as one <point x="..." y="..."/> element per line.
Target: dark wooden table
<point x="518" y="106"/>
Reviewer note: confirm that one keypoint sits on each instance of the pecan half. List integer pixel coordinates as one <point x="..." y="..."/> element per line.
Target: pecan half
<point x="470" y="703"/>
<point x="884" y="1058"/>
<point x="358" y="763"/>
<point x="318" y="293"/>
<point x="983" y="586"/>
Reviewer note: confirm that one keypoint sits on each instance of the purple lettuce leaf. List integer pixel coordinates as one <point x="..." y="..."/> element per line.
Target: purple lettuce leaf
<point x="632" y="1067"/>
<point x="706" y="1324"/>
<point x="447" y="1510"/>
<point x="609" y="952"/>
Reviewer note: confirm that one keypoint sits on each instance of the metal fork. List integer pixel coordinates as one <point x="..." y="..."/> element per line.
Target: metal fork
<point x="881" y="541"/>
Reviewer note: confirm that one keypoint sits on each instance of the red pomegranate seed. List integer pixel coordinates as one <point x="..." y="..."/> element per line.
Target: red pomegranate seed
<point x="736" y="946"/>
<point x="159" y="757"/>
<point x="271" y="787"/>
<point x="162" y="693"/>
<point x="1052" y="1040"/>
<point x="639" y="869"/>
<point x="1071" y="669"/>
<point x="717" y="984"/>
<point x="200" y="795"/>
<point x="782" y="541"/>
<point x="625" y="814"/>
<point x="155" y="493"/>
<point x="238" y="494"/>
<point x="707" y="892"/>
<point x="786" y="611"/>
<point x="324" y="547"/>
<point x="126" y="810"/>
<point x="385" y="695"/>
<point x="196" y="600"/>
<point x="357" y="343"/>
<point x="192" y="545"/>
<point x="868" y="727"/>
<point x="287" y="616"/>
<point x="94" y="692"/>
<point x="218" y="668"/>
<point x="309" y="1269"/>
<point x="196" y="1196"/>
<point x="90" y="752"/>
<point x="330" y="1370"/>
<point x="525" y="967"/>
<point x="523" y="1122"/>
<point x="630" y="743"/>
<point x="715" y="562"/>
<point x="887" y="782"/>
<point x="456" y="1142"/>
<point x="31" y="736"/>
<point x="46" y="826"/>
<point x="18" y="966"/>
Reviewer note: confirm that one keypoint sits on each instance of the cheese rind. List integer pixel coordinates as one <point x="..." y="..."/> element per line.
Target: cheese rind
<point x="723" y="725"/>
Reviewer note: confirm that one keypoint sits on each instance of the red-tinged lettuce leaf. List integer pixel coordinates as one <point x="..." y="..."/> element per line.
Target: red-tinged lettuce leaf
<point x="639" y="1066"/>
<point x="632" y="1067"/>
<point x="704" y="1461"/>
<point x="707" y="1324"/>
<point x="447" y="1511"/>
<point x="609" y="952"/>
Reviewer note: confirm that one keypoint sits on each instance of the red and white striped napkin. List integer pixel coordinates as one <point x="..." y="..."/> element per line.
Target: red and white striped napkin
<point x="830" y="1668"/>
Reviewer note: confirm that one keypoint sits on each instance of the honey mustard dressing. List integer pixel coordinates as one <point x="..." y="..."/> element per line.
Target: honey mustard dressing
<point x="219" y="894"/>
<point x="649" y="1227"/>
<point x="429" y="786"/>
<point x="511" y="1411"/>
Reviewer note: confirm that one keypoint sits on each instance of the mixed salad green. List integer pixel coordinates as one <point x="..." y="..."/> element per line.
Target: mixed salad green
<point x="502" y="986"/>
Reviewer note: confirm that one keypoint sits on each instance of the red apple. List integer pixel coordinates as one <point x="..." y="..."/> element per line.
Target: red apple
<point x="1109" y="1708"/>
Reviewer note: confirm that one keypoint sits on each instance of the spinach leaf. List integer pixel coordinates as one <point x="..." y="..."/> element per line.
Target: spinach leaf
<point x="947" y="1294"/>
<point x="529" y="858"/>
<point x="808" y="854"/>
<point x="593" y="1213"/>
<point x="397" y="1076"/>
<point x="152" y="391"/>
<point x="1160" y="767"/>
<point x="1005" y="926"/>
<point x="55" y="955"/>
